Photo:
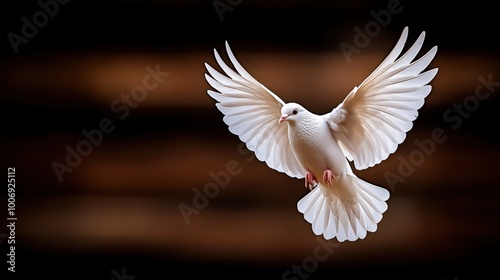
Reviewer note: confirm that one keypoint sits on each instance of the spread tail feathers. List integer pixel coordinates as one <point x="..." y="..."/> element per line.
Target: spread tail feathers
<point x="347" y="210"/>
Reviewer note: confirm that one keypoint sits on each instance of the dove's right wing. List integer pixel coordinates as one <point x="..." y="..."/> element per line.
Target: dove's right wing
<point x="252" y="111"/>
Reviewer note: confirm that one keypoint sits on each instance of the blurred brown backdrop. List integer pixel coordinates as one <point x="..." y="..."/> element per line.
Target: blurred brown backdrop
<point x="129" y="159"/>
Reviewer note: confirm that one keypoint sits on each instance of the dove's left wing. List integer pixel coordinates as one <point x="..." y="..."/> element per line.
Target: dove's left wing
<point x="252" y="111"/>
<point x="373" y="119"/>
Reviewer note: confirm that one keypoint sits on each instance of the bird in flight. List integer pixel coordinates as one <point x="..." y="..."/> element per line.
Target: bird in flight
<point x="365" y="128"/>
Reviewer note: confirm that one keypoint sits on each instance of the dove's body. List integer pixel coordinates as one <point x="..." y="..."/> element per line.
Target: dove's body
<point x="346" y="206"/>
<point x="316" y="154"/>
<point x="365" y="128"/>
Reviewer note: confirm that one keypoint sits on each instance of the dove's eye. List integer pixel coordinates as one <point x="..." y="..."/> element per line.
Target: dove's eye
<point x="295" y="111"/>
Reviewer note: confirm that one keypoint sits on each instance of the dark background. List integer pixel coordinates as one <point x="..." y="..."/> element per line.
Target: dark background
<point x="119" y="207"/>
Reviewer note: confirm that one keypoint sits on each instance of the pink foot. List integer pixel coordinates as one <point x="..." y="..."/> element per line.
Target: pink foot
<point x="310" y="181"/>
<point x="328" y="177"/>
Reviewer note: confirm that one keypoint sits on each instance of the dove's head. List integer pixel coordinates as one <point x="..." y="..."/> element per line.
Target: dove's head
<point x="291" y="112"/>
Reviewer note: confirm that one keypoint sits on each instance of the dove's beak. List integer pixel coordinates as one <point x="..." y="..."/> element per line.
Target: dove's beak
<point x="283" y="118"/>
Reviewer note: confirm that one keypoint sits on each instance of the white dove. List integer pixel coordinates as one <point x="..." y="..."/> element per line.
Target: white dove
<point x="365" y="128"/>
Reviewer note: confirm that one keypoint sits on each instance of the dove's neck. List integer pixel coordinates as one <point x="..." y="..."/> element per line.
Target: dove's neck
<point x="309" y="125"/>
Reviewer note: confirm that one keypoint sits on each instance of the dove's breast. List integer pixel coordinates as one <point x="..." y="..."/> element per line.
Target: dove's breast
<point x="315" y="148"/>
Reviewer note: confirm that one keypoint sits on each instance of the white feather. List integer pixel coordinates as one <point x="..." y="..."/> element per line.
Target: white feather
<point x="251" y="112"/>
<point x="379" y="112"/>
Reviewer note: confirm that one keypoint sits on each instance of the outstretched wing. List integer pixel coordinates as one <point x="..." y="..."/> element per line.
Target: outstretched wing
<point x="374" y="118"/>
<point x="252" y="111"/>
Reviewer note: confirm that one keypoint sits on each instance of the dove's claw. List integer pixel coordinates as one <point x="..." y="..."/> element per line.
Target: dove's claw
<point x="328" y="177"/>
<point x="310" y="181"/>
